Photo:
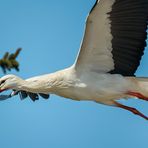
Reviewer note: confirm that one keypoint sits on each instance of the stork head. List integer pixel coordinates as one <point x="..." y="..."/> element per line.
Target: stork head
<point x="9" y="82"/>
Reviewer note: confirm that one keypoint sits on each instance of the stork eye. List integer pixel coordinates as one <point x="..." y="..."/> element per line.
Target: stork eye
<point x="3" y="81"/>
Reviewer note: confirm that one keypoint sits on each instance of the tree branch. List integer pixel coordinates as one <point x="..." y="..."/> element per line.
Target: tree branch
<point x="9" y="62"/>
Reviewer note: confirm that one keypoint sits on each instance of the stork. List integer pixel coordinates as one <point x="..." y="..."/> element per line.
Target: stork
<point x="110" y="53"/>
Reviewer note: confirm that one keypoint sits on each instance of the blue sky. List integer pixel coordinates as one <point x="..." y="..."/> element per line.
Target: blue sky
<point x="50" y="32"/>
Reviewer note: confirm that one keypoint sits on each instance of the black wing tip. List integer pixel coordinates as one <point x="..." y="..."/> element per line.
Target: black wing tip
<point x="44" y="96"/>
<point x="24" y="94"/>
<point x="4" y="97"/>
<point x="33" y="96"/>
<point x="93" y="6"/>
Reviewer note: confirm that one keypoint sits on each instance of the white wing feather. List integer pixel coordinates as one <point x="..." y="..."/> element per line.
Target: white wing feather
<point x="95" y="53"/>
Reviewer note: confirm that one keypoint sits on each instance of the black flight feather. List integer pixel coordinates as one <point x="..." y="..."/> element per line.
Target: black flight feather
<point x="45" y="96"/>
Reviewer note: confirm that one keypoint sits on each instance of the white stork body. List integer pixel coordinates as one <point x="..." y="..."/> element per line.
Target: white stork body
<point x="113" y="44"/>
<point x="102" y="88"/>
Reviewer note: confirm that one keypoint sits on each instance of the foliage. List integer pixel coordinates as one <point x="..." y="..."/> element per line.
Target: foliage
<point x="9" y="62"/>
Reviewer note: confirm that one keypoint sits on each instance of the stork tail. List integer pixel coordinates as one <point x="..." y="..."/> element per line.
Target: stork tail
<point x="142" y="89"/>
<point x="141" y="92"/>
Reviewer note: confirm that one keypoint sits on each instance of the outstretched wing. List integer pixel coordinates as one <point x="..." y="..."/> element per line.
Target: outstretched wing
<point x="24" y="94"/>
<point x="32" y="96"/>
<point x="115" y="37"/>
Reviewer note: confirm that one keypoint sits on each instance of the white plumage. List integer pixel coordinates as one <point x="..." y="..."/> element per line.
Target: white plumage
<point x="95" y="53"/>
<point x="98" y="74"/>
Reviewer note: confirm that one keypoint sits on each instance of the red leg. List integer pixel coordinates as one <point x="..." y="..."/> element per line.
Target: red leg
<point x="133" y="110"/>
<point x="138" y="95"/>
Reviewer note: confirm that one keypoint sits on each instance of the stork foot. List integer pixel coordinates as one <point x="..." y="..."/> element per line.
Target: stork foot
<point x="131" y="109"/>
<point x="138" y="95"/>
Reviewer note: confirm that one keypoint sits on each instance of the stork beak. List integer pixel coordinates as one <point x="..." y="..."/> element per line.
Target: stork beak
<point x="1" y="90"/>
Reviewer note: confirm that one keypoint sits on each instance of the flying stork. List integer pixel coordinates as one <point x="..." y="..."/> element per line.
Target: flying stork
<point x="110" y="53"/>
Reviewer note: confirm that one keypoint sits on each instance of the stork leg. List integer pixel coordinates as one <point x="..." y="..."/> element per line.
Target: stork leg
<point x="138" y="95"/>
<point x="131" y="109"/>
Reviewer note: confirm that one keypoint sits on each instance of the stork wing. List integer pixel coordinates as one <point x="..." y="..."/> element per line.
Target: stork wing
<point x="115" y="37"/>
<point x="24" y="94"/>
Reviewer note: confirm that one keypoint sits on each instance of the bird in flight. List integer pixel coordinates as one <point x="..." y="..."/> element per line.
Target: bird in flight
<point x="110" y="53"/>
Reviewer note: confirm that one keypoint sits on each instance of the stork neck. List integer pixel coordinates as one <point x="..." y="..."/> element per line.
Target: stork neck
<point x="40" y="84"/>
<point x="49" y="83"/>
<point x="34" y="86"/>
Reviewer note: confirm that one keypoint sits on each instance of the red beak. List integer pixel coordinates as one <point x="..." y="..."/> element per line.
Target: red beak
<point x="1" y="90"/>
